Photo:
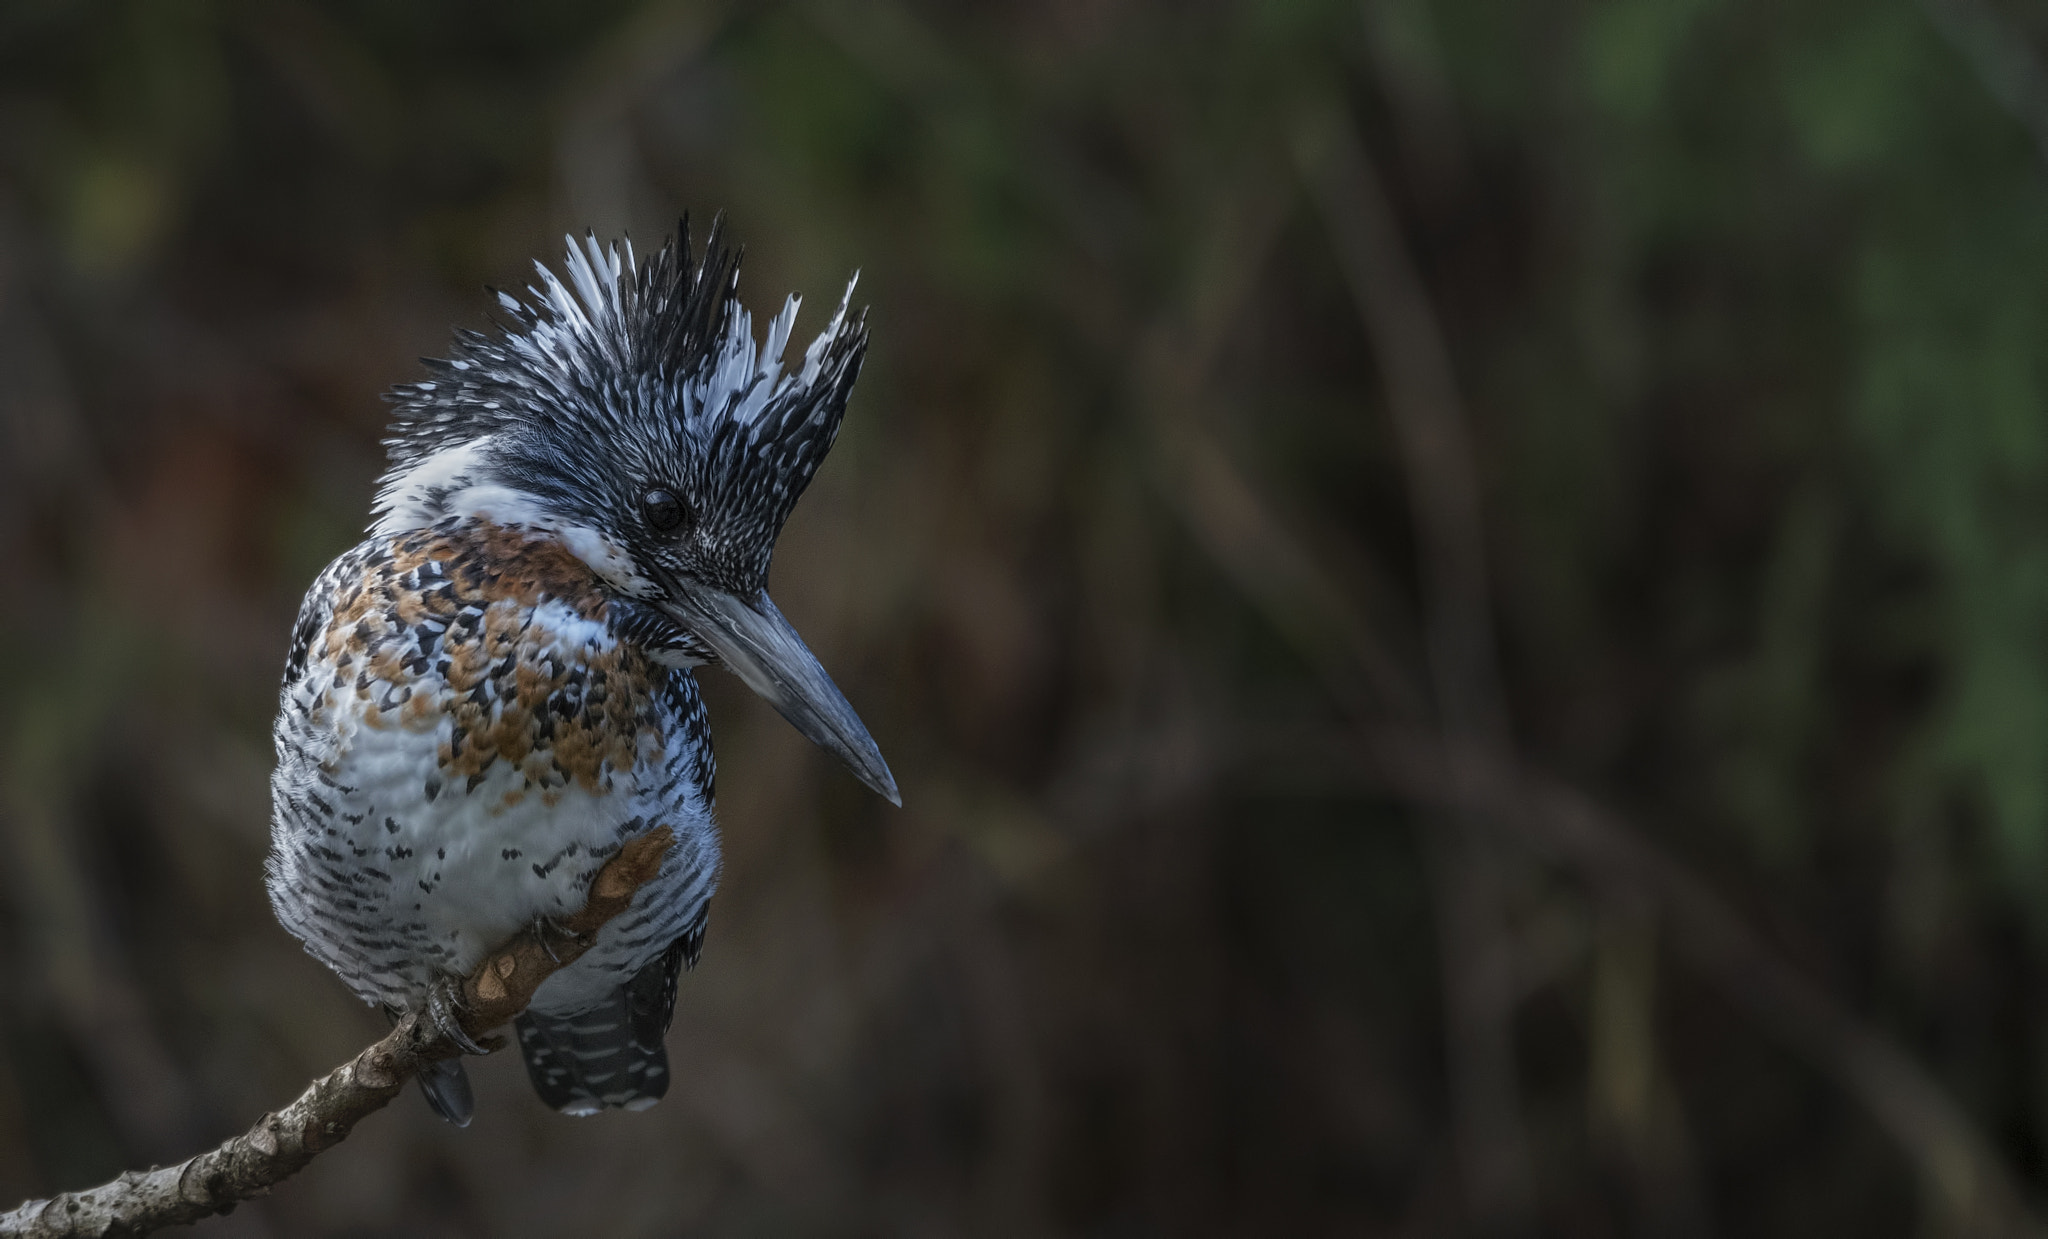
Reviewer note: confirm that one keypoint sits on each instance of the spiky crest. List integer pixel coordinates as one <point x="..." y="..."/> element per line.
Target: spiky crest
<point x="625" y="374"/>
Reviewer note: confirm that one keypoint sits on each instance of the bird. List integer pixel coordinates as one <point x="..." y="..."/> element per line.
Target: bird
<point x="494" y="690"/>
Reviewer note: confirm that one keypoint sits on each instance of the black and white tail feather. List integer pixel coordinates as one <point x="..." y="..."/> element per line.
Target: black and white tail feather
<point x="612" y="1056"/>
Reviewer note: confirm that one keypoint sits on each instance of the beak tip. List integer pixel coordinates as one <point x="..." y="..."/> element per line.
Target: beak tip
<point x="757" y="644"/>
<point x="884" y="785"/>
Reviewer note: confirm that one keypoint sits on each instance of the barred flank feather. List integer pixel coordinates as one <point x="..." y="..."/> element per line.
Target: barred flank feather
<point x="611" y="1056"/>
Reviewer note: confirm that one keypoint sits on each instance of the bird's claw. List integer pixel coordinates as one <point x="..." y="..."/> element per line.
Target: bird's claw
<point x="444" y="1015"/>
<point x="544" y="932"/>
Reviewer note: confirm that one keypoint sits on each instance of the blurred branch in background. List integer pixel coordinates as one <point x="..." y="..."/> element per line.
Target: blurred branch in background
<point x="139" y="1081"/>
<point x="1970" y="1189"/>
<point x="1429" y="422"/>
<point x="2005" y="58"/>
<point x="1966" y="1181"/>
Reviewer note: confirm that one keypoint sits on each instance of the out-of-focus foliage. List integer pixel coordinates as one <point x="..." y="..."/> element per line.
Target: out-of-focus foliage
<point x="1748" y="304"/>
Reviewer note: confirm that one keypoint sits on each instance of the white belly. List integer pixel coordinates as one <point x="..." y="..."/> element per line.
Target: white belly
<point x="397" y="872"/>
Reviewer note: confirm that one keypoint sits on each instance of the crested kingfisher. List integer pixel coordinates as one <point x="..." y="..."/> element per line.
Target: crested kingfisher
<point x="493" y="691"/>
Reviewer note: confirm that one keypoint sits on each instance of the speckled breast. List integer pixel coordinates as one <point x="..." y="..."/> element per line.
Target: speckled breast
<point x="464" y="740"/>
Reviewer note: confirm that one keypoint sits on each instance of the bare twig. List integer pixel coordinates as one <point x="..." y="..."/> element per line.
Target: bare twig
<point x="1960" y="1170"/>
<point x="283" y="1143"/>
<point x="1429" y="422"/>
<point x="1965" y="1179"/>
<point x="2003" y="57"/>
<point x="92" y="982"/>
<point x="1427" y="414"/>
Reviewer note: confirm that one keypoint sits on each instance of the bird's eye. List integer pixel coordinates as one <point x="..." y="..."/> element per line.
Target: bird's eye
<point x="664" y="511"/>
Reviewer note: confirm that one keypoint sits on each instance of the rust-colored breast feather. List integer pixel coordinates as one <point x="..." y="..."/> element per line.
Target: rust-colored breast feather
<point x="503" y="636"/>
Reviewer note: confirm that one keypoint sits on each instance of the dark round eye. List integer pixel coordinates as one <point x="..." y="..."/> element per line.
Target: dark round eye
<point x="664" y="511"/>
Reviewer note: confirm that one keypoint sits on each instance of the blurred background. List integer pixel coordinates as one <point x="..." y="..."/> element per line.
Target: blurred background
<point x="1458" y="592"/>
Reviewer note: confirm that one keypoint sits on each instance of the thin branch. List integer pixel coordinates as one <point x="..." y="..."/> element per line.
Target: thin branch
<point x="284" y="1143"/>
<point x="1958" y="1167"/>
<point x="1427" y="414"/>
<point x="1963" y="1176"/>
<point x="1435" y="437"/>
<point x="2003" y="57"/>
<point x="1250" y="541"/>
<point x="1967" y="1182"/>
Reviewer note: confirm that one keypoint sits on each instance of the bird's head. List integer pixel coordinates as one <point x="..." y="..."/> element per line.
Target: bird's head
<point x="626" y="412"/>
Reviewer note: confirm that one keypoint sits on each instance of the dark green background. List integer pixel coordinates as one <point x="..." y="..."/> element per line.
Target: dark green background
<point x="1746" y="304"/>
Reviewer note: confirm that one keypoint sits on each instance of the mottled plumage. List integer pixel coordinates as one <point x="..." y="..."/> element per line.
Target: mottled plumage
<point x="492" y="691"/>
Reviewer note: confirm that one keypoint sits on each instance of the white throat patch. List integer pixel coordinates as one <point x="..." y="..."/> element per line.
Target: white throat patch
<point x="453" y="482"/>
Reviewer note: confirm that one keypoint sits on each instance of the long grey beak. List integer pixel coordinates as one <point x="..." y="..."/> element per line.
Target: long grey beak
<point x="756" y="644"/>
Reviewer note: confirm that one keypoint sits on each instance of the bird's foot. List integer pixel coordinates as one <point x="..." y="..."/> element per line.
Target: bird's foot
<point x="547" y="932"/>
<point x="444" y="1015"/>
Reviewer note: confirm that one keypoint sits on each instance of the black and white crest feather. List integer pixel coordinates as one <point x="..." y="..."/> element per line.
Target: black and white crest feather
<point x="620" y="375"/>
